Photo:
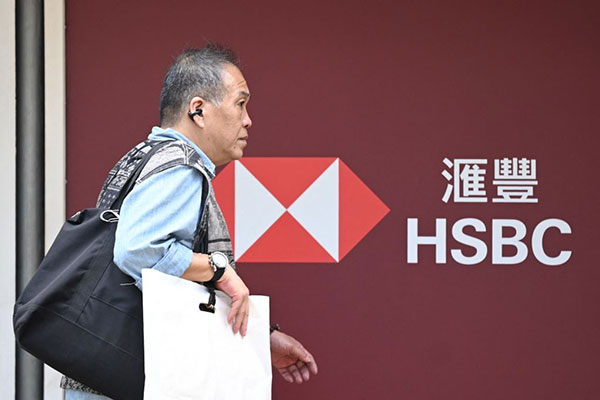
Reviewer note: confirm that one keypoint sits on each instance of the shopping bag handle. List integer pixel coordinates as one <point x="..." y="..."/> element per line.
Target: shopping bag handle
<point x="212" y="299"/>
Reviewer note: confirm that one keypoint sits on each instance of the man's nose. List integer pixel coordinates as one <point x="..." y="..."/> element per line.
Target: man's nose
<point x="247" y="122"/>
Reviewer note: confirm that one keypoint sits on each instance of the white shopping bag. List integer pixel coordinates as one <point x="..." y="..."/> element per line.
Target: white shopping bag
<point x="191" y="354"/>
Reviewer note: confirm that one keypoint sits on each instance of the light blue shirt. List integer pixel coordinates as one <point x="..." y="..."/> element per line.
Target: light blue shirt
<point x="158" y="218"/>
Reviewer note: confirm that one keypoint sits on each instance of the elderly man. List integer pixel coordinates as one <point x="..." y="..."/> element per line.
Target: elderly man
<point x="203" y="113"/>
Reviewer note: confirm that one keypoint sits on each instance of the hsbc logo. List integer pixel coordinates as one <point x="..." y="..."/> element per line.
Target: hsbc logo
<point x="514" y="179"/>
<point x="295" y="209"/>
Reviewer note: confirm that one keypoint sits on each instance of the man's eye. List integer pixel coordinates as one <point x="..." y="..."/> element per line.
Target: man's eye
<point x="241" y="103"/>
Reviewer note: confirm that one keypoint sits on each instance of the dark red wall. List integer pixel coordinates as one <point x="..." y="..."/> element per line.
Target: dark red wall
<point x="390" y="87"/>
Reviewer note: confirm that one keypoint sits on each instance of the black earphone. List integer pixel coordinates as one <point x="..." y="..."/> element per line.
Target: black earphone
<point x="193" y="114"/>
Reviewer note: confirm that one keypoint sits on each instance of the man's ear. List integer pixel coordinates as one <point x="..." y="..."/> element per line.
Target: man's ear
<point x="195" y="110"/>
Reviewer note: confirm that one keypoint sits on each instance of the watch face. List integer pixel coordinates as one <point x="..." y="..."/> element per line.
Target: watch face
<point x="220" y="259"/>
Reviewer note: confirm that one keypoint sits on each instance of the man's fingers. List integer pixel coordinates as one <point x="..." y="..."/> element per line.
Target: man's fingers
<point x="312" y="366"/>
<point x="238" y="320"/>
<point x="286" y="375"/>
<point x="303" y="370"/>
<point x="295" y="373"/>
<point x="244" y="329"/>
<point x="310" y="362"/>
<point x="234" y="309"/>
<point x="305" y="356"/>
<point x="241" y="317"/>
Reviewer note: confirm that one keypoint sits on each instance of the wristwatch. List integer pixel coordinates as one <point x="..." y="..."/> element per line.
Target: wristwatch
<point x="218" y="261"/>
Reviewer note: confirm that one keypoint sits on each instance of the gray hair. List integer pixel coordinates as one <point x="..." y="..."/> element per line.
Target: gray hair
<point x="196" y="72"/>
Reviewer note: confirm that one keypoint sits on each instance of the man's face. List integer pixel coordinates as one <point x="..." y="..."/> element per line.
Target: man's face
<point x="227" y="124"/>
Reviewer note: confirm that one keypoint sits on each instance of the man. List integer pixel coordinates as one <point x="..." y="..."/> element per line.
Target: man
<point x="203" y="111"/>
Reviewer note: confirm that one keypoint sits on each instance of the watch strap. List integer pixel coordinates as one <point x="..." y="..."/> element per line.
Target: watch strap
<point x="218" y="272"/>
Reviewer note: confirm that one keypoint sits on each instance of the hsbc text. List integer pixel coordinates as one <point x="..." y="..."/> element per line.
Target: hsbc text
<point x="499" y="242"/>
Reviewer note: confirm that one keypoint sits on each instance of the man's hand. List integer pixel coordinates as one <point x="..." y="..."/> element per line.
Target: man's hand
<point x="235" y="288"/>
<point x="291" y="359"/>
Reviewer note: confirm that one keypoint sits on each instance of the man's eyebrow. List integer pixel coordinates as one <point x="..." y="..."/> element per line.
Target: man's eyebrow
<point x="244" y="93"/>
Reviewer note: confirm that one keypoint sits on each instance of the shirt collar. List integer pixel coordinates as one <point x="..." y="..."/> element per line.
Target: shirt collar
<point x="159" y="133"/>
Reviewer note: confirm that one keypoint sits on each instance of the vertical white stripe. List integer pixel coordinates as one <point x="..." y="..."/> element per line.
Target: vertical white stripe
<point x="54" y="68"/>
<point x="256" y="209"/>
<point x="7" y="200"/>
<point x="317" y="209"/>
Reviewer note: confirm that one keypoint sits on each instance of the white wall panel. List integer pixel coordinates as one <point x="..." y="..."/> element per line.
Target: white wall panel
<point x="54" y="31"/>
<point x="7" y="198"/>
